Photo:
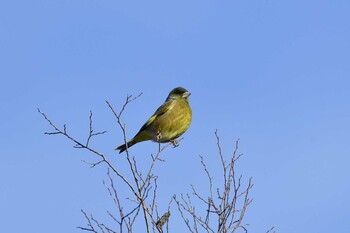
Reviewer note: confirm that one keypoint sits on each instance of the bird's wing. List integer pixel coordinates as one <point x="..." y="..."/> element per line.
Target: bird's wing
<point x="160" y="111"/>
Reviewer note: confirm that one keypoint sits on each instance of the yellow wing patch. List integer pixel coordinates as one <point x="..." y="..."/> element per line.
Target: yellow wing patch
<point x="160" y="111"/>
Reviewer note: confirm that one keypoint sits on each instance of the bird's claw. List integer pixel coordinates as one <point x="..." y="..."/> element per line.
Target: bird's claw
<point x="175" y="143"/>
<point x="159" y="136"/>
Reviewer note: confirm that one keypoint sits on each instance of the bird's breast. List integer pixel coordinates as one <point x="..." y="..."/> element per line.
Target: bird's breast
<point x="172" y="123"/>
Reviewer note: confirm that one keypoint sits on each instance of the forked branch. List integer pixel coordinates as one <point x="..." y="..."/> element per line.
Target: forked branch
<point x="224" y="207"/>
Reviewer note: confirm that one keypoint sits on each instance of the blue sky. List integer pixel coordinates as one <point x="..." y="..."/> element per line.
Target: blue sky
<point x="273" y="73"/>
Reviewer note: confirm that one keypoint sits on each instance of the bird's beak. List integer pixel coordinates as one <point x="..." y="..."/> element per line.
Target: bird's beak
<point x="186" y="94"/>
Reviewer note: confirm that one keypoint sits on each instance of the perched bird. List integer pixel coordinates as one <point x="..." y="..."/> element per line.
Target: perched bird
<point x="164" y="219"/>
<point x="169" y="121"/>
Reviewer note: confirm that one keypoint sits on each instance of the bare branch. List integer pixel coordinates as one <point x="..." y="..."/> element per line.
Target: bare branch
<point x="141" y="187"/>
<point x="83" y="146"/>
<point x="221" y="210"/>
<point x="271" y="230"/>
<point x="90" y="225"/>
<point x="222" y="206"/>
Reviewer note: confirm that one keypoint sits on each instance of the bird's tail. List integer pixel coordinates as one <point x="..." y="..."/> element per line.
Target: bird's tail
<point x="122" y="148"/>
<point x="140" y="137"/>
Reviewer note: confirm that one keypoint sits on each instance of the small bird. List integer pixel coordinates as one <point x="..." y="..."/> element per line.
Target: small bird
<point x="164" y="219"/>
<point x="169" y="122"/>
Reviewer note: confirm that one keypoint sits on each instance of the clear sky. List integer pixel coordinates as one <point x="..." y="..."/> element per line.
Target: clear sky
<point x="275" y="74"/>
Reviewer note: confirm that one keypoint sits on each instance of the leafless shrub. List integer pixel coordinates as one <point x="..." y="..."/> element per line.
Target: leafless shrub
<point x="225" y="206"/>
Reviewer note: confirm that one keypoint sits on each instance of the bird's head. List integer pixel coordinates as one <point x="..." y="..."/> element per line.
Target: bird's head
<point x="178" y="93"/>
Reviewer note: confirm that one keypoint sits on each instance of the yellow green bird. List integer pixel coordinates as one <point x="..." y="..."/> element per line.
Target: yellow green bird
<point x="169" y="122"/>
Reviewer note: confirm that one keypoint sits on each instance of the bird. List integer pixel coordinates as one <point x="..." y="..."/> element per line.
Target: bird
<point x="169" y="121"/>
<point x="164" y="219"/>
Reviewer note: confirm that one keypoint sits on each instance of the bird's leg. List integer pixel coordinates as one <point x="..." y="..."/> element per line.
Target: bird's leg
<point x="159" y="136"/>
<point x="175" y="142"/>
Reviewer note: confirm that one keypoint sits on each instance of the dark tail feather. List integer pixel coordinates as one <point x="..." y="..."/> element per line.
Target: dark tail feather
<point x="122" y="148"/>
